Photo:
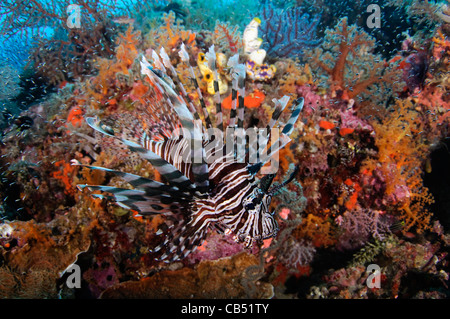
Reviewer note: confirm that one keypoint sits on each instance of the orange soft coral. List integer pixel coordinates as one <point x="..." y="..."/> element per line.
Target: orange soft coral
<point x="65" y="173"/>
<point x="401" y="151"/>
<point x="174" y="32"/>
<point x="75" y="116"/>
<point x="295" y="75"/>
<point x="318" y="229"/>
<point x="352" y="200"/>
<point x="103" y="86"/>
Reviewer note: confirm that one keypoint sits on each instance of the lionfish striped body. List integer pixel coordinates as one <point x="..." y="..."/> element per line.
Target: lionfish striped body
<point x="207" y="187"/>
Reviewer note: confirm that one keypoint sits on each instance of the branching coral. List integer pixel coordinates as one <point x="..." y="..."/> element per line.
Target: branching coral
<point x="112" y="82"/>
<point x="288" y="32"/>
<point x="422" y="11"/>
<point x="405" y="264"/>
<point x="401" y="150"/>
<point x="318" y="230"/>
<point x="433" y="98"/>
<point x="294" y="253"/>
<point x="227" y="38"/>
<point x="359" y="225"/>
<point x="294" y="76"/>
<point x="170" y="34"/>
<point x="345" y="58"/>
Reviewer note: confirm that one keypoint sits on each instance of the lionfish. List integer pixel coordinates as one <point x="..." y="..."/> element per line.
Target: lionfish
<point x="205" y="187"/>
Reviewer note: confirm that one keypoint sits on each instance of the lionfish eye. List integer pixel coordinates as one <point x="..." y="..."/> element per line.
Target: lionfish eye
<point x="250" y="206"/>
<point x="106" y="128"/>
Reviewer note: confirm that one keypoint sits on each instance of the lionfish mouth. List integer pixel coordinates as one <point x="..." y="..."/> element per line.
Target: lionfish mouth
<point x="206" y="187"/>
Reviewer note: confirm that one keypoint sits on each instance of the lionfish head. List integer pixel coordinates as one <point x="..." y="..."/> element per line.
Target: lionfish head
<point x="257" y="208"/>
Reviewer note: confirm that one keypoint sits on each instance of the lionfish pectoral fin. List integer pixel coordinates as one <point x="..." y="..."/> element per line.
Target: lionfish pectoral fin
<point x="138" y="200"/>
<point x="181" y="241"/>
<point x="96" y="125"/>
<point x="289" y="127"/>
<point x="167" y="170"/>
<point x="140" y="183"/>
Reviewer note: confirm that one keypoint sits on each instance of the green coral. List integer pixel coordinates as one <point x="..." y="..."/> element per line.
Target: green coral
<point x="370" y="251"/>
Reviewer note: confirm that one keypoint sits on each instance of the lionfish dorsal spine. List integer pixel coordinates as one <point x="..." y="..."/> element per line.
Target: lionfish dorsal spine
<point x="283" y="137"/>
<point x="195" y="129"/>
<point x="185" y="58"/>
<point x="211" y="61"/>
<point x="238" y="75"/>
<point x="178" y="84"/>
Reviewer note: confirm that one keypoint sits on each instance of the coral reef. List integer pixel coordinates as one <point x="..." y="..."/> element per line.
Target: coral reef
<point x="296" y="253"/>
<point x="368" y="157"/>
<point x="222" y="279"/>
<point x="410" y="270"/>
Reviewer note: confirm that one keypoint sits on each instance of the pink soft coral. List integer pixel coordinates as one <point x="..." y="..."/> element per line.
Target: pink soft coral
<point x="359" y="225"/>
<point x="312" y="99"/>
<point x="214" y="247"/>
<point x="350" y="120"/>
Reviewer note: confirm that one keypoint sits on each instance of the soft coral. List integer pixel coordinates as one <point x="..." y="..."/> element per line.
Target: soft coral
<point x="346" y="53"/>
<point x="65" y="174"/>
